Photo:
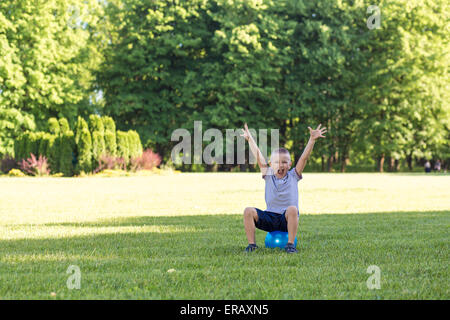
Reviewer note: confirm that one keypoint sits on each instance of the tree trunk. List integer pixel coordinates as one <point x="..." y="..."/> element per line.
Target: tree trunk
<point x="323" y="163"/>
<point x="330" y="164"/>
<point x="344" y="162"/>
<point x="391" y="164"/>
<point x="397" y="165"/>
<point x="381" y="163"/>
<point x="409" y="161"/>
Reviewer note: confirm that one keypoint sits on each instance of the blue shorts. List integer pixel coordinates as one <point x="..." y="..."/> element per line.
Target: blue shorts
<point x="271" y="221"/>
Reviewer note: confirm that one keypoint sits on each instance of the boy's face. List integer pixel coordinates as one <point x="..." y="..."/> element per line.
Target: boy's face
<point x="280" y="164"/>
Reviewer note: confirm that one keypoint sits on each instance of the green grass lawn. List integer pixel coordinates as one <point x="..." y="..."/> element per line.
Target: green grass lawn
<point x="126" y="233"/>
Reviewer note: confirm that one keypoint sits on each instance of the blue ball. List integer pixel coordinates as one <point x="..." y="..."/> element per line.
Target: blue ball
<point x="277" y="239"/>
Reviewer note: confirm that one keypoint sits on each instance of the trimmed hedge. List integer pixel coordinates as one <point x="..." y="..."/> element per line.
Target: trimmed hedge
<point x="53" y="126"/>
<point x="134" y="143"/>
<point x="123" y="149"/>
<point x="96" y="123"/>
<point x="63" y="126"/>
<point x="66" y="153"/>
<point x="98" y="139"/>
<point x="110" y="136"/>
<point x="83" y="142"/>
<point x="53" y="152"/>
<point x="43" y="145"/>
<point x="71" y="152"/>
<point x="98" y="146"/>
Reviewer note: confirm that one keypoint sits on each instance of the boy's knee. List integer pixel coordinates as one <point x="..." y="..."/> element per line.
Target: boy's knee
<point x="250" y="212"/>
<point x="292" y="211"/>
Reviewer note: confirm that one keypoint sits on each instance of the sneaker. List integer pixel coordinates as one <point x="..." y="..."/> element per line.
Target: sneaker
<point x="251" y="247"/>
<point x="290" y="248"/>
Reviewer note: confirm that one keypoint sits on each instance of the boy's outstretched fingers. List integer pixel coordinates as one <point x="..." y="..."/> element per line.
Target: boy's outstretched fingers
<point x="318" y="133"/>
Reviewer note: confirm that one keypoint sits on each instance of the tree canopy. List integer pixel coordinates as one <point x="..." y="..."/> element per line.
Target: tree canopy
<point x="154" y="66"/>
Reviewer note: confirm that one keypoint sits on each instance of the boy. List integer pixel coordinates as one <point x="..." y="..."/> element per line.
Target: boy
<point x="281" y="193"/>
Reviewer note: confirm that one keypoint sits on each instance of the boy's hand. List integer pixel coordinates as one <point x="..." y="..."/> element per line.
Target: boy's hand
<point x="318" y="133"/>
<point x="246" y="133"/>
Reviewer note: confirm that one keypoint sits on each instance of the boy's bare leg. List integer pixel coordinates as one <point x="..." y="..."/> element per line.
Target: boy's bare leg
<point x="292" y="222"/>
<point x="250" y="217"/>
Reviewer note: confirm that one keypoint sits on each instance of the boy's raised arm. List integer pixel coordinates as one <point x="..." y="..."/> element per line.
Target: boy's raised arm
<point x="314" y="135"/>
<point x="255" y="150"/>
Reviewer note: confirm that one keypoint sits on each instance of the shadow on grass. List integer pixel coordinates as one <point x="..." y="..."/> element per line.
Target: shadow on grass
<point x="207" y="254"/>
<point x="221" y="234"/>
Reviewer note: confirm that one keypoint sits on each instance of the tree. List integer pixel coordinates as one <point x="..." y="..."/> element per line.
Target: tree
<point x="49" y="52"/>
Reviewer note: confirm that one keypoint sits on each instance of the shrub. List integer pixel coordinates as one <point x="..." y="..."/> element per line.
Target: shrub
<point x="8" y="163"/>
<point x="134" y="143"/>
<point x="63" y="126"/>
<point x="84" y="151"/>
<point x="36" y="142"/>
<point x="35" y="167"/>
<point x="98" y="146"/>
<point x="53" y="152"/>
<point x="43" y="145"/>
<point x="27" y="145"/>
<point x="108" y="124"/>
<point x="58" y="175"/>
<point x="110" y="135"/>
<point x="123" y="150"/>
<point x="146" y="161"/>
<point x="16" y="173"/>
<point x="98" y="138"/>
<point x="79" y="126"/>
<point x="53" y="126"/>
<point x="67" y="153"/>
<point x="110" y="142"/>
<point x="96" y="123"/>
<point x="19" y="148"/>
<point x="109" y="162"/>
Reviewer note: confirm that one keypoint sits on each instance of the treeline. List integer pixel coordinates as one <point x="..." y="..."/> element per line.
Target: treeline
<point x="84" y="151"/>
<point x="155" y="66"/>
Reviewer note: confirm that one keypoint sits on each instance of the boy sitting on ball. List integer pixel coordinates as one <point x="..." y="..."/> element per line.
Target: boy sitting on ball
<point x="281" y="192"/>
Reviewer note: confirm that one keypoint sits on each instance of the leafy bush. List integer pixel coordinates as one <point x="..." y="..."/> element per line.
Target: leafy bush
<point x="109" y="162"/>
<point x="109" y="124"/>
<point x="28" y="138"/>
<point x="16" y="173"/>
<point x="84" y="151"/>
<point x="19" y="148"/>
<point x="44" y="143"/>
<point x="63" y="126"/>
<point x="35" y="167"/>
<point x="58" y="175"/>
<point x="123" y="149"/>
<point x="146" y="161"/>
<point x="98" y="146"/>
<point x="96" y="123"/>
<point x="53" y="152"/>
<point x="110" y="135"/>
<point x="8" y="163"/>
<point x="134" y="143"/>
<point x="53" y="126"/>
<point x="98" y="138"/>
<point x="110" y="142"/>
<point x="67" y="153"/>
